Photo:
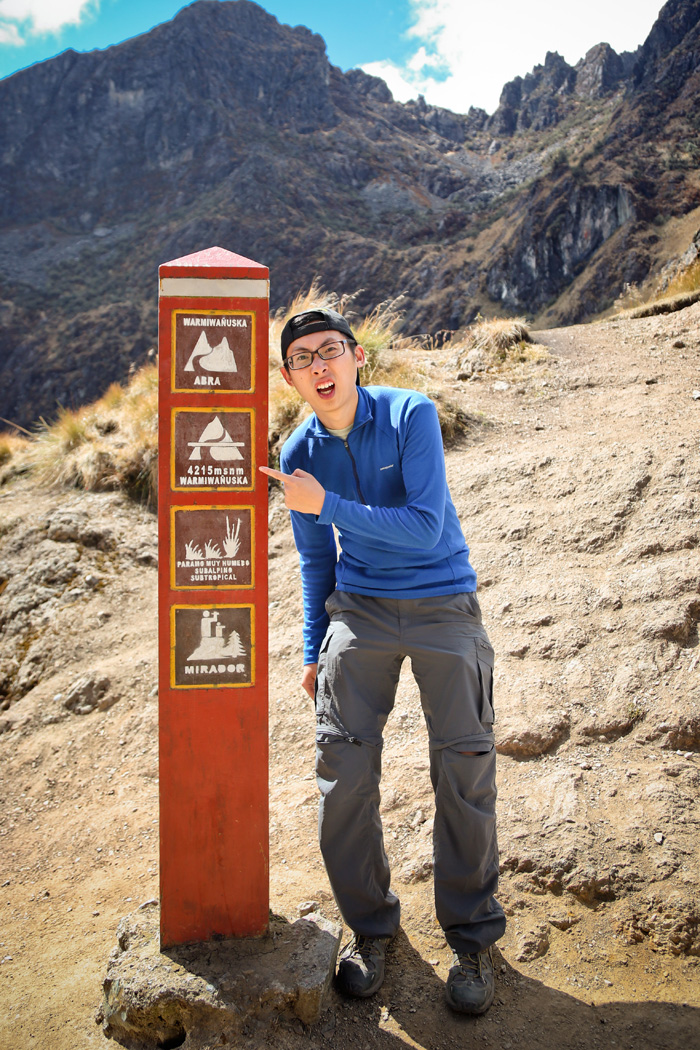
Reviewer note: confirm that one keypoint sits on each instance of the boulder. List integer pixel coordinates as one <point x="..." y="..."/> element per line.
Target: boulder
<point x="531" y="732"/>
<point x="203" y="994"/>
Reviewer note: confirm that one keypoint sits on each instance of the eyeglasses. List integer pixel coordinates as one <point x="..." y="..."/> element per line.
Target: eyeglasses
<point x="326" y="352"/>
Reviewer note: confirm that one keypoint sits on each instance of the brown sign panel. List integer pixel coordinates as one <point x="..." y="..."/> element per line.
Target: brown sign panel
<point x="212" y="646"/>
<point x="212" y="547"/>
<point x="213" y="350"/>
<point x="212" y="449"/>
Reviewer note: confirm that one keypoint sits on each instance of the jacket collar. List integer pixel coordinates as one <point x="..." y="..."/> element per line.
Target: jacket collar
<point x="363" y="414"/>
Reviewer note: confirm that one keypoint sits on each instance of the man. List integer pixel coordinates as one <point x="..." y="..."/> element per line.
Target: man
<point x="370" y="462"/>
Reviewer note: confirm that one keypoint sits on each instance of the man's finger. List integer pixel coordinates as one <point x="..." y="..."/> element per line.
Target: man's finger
<point x="275" y="473"/>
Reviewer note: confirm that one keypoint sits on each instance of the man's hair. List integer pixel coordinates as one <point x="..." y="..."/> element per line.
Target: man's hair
<point x="313" y="321"/>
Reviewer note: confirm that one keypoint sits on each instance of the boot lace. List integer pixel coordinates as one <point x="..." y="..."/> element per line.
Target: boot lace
<point x="362" y="946"/>
<point x="470" y="964"/>
<point x="366" y="948"/>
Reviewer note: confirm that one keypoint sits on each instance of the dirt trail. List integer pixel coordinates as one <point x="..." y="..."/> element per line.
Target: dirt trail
<point x="581" y="504"/>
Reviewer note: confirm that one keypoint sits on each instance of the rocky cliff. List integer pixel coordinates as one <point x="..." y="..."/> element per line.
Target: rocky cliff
<point x="225" y="127"/>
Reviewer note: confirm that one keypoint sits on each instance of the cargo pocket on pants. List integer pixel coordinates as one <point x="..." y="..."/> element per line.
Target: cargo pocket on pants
<point x="484" y="659"/>
<point x="320" y="684"/>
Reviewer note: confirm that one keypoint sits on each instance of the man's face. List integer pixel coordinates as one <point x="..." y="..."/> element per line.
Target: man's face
<point x="327" y="386"/>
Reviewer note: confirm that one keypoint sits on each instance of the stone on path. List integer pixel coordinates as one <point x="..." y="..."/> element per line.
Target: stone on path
<point x="203" y="994"/>
<point x="533" y="730"/>
<point x="88" y="692"/>
<point x="533" y="943"/>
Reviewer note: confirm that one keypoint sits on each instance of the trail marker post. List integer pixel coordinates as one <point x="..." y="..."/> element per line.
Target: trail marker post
<point x="212" y="580"/>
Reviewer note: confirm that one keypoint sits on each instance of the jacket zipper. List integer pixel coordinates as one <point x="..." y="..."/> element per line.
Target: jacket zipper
<point x="354" y="471"/>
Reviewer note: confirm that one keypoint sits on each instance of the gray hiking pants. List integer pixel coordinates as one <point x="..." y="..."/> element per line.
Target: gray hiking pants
<point x="358" y="671"/>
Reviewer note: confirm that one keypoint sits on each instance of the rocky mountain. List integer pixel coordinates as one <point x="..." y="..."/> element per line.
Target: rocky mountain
<point x="225" y="127"/>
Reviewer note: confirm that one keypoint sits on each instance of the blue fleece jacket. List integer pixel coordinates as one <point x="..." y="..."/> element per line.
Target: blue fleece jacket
<point x="387" y="496"/>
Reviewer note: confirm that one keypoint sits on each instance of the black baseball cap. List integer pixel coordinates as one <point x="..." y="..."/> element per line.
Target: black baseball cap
<point x="313" y="321"/>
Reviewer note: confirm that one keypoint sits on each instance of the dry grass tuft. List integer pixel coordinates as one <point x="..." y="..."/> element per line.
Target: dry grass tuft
<point x="500" y="344"/>
<point x="500" y="334"/>
<point x="112" y="444"/>
<point x="11" y="445"/>
<point x="13" y="456"/>
<point x="378" y="333"/>
<point x="286" y="411"/>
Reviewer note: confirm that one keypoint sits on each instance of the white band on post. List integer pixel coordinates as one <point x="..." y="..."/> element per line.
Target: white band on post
<point x="206" y="287"/>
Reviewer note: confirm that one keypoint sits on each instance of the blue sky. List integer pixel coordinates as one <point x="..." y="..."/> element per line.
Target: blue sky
<point x="456" y="53"/>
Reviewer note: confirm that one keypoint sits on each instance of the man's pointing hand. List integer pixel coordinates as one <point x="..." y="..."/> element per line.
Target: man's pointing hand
<point x="301" y="490"/>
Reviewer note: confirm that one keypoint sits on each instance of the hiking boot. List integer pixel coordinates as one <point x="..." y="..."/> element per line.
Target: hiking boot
<point x="361" y="966"/>
<point x="470" y="983"/>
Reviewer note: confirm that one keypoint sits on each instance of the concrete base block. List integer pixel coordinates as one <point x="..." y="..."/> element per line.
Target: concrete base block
<point x="196" y="996"/>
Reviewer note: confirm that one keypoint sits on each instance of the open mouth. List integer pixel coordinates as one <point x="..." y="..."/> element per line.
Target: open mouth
<point x="326" y="389"/>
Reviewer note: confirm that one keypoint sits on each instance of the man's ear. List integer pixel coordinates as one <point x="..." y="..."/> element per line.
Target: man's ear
<point x="286" y="376"/>
<point x="359" y="355"/>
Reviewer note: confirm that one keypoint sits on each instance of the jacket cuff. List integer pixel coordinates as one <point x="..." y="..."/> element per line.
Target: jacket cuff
<point x="328" y="509"/>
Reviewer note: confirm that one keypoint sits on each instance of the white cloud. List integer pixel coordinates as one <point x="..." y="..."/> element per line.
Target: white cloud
<point x="9" y="35"/>
<point x="466" y="50"/>
<point x="400" y="87"/>
<point x="20" y="19"/>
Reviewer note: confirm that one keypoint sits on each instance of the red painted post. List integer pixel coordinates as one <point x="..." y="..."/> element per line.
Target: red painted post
<point x="212" y="580"/>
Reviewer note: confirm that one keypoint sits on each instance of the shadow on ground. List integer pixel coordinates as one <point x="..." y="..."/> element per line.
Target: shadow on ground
<point x="526" y="1014"/>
